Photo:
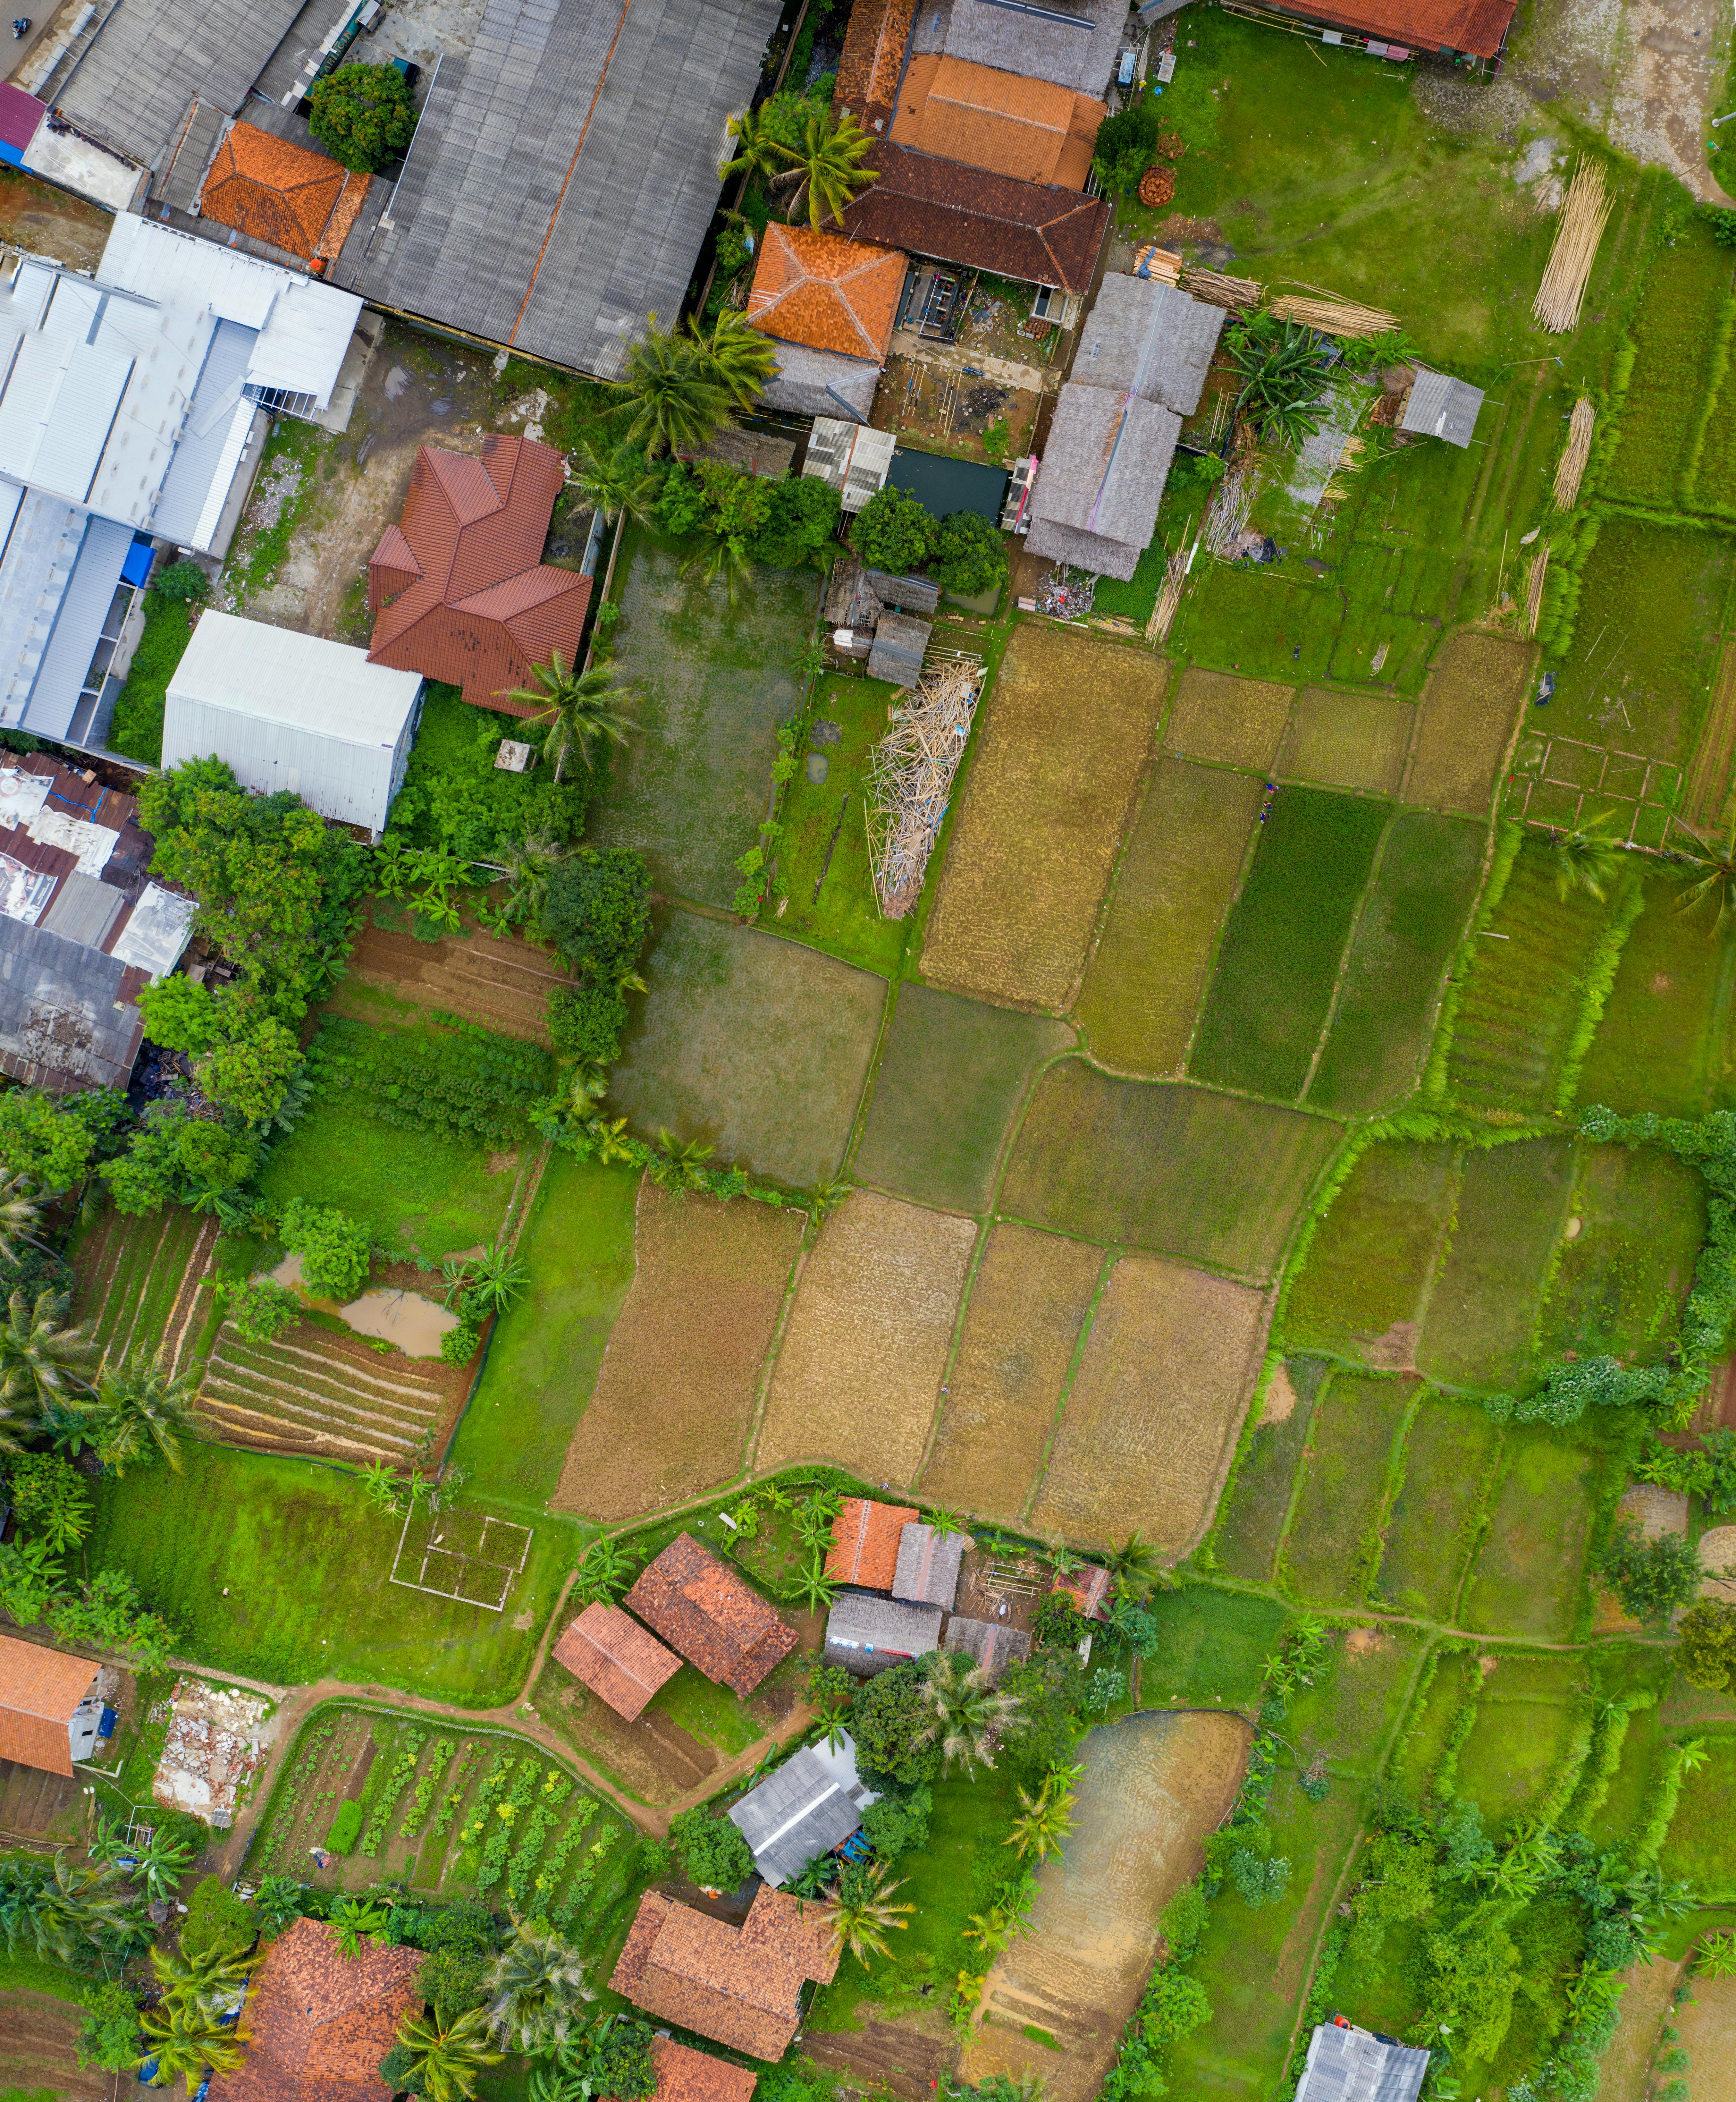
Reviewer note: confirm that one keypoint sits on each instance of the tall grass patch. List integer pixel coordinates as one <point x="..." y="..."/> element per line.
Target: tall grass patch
<point x="1529" y="1577"/>
<point x="1449" y="1454"/>
<point x="1513" y="1200"/>
<point x="1674" y="330"/>
<point x="1333" y="1545"/>
<point x="1371" y="1257"/>
<point x="1512" y="1752"/>
<point x="1660" y="1040"/>
<point x="1435" y="1711"/>
<point x="1623" y="1276"/>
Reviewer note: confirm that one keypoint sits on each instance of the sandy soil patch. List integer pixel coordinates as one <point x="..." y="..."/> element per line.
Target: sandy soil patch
<point x="1623" y="2073"/>
<point x="36" y="2039"/>
<point x="35" y="216"/>
<point x="1718" y="1553"/>
<point x="1154" y="1786"/>
<point x="654" y="1758"/>
<point x="1028" y="1302"/>
<point x="1475" y="689"/>
<point x="1281" y="1398"/>
<point x="860" y="1370"/>
<point x="679" y="1381"/>
<point x="1155" y="1407"/>
<point x="1708" y="2033"/>
<point x="1238" y="722"/>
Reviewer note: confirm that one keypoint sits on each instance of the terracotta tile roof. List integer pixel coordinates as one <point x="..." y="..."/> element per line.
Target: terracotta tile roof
<point x="39" y="1689"/>
<point x="320" y="2025"/>
<point x="1029" y="231"/>
<point x="1000" y="121"/>
<point x="344" y="214"/>
<point x="1477" y="26"/>
<point x="740" y="1986"/>
<point x="865" y="1542"/>
<point x="827" y="292"/>
<point x="714" y="1617"/>
<point x="458" y="587"/>
<point x="686" y="2075"/>
<point x="616" y="1659"/>
<point x="1089" y="1590"/>
<point x="872" y="59"/>
<point x="272" y="189"/>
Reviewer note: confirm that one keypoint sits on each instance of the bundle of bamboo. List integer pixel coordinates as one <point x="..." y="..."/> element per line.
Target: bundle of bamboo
<point x="1583" y="214"/>
<point x="1335" y="317"/>
<point x="1570" y="470"/>
<point x="1236" y="294"/>
<point x="910" y="780"/>
<point x="1533" y="588"/>
<point x="1169" y="594"/>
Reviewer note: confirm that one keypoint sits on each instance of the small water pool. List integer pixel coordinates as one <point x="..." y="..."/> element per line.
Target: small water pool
<point x="943" y="486"/>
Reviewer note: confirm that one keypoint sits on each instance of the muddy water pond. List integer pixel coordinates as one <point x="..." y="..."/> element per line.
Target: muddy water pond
<point x="414" y="1323"/>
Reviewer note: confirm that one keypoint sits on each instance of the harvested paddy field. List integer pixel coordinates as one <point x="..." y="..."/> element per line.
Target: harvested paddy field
<point x="1361" y="1288"/>
<point x="1152" y="1789"/>
<point x="1475" y="688"/>
<point x="1178" y="1170"/>
<point x="1155" y="1408"/>
<point x="756" y="1047"/>
<point x="1347" y="741"/>
<point x="952" y="1079"/>
<point x="1708" y="2022"/>
<point x="676" y="1394"/>
<point x="859" y="1371"/>
<point x="1183" y="864"/>
<point x="1352" y="1443"/>
<point x="1061" y="741"/>
<point x="1234" y="722"/>
<point x="1624" y="2075"/>
<point x="1028" y="1302"/>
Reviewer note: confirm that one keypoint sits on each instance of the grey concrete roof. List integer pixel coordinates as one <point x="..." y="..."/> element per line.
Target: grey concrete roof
<point x="1353" y="2065"/>
<point x="865" y="1633"/>
<point x="1072" y="42"/>
<point x="566" y="172"/>
<point x="63" y="1023"/>
<point x="798" y="1813"/>
<point x="1102" y="477"/>
<point x="1149" y="338"/>
<point x="1442" y="407"/>
<point x="927" y="1572"/>
<point x="991" y="1644"/>
<point x="809" y="382"/>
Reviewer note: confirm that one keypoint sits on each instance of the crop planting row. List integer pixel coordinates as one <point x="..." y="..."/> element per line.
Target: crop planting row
<point x="140" y="1274"/>
<point x="318" y="1392"/>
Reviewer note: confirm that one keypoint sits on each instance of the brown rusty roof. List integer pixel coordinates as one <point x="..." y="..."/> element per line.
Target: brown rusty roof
<point x="273" y="190"/>
<point x="740" y="1986"/>
<point x="1033" y="232"/>
<point x="1479" y="27"/>
<point x="39" y="1689"/>
<point x="322" y="2024"/>
<point x="1088" y="1587"/>
<point x="827" y="292"/>
<point x="872" y="59"/>
<point x="865" y="1542"/>
<point x="714" y="1617"/>
<point x="616" y="1658"/>
<point x="1029" y="129"/>
<point x="686" y="2075"/>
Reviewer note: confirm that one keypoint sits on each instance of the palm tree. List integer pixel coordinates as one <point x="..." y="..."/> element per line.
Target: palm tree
<point x="672" y="396"/>
<point x="447" y="2059"/>
<point x="578" y="709"/>
<point x="535" y="1989"/>
<point x="1588" y="858"/>
<point x="863" y="1911"/>
<point x="354" y="1921"/>
<point x="1134" y="1565"/>
<point x="967" y="1716"/>
<point x="68" y="1907"/>
<point x="615" y="480"/>
<point x="495" y="1280"/>
<point x="20" y="1209"/>
<point x="1280" y="364"/>
<point x="721" y="553"/>
<point x="1715" y="1957"/>
<point x="682" y="1162"/>
<point x="1047" y="1819"/>
<point x="187" y="2042"/>
<point x="528" y="865"/>
<point x="207" y="1980"/>
<point x="603" y="1572"/>
<point x="827" y="172"/>
<point x="742" y="359"/>
<point x="140" y="1404"/>
<point x="41" y="1361"/>
<point x="1714" y="881"/>
<point x="757" y="153"/>
<point x="158" y="1862"/>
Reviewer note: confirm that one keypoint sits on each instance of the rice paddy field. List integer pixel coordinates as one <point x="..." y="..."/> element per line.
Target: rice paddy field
<point x="1674" y="332"/>
<point x="1470" y="709"/>
<point x="1230" y="721"/>
<point x="1348" y="741"/>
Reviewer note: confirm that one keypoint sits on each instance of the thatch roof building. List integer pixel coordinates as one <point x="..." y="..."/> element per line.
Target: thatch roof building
<point x="1097" y="491"/>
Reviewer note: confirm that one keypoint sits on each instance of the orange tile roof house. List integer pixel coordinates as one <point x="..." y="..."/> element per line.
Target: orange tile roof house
<point x="714" y="1617"/>
<point x="616" y="1658"/>
<point x="281" y="193"/>
<point x="830" y="294"/>
<point x="458" y="584"/>
<point x="686" y="2075"/>
<point x="40" y="1691"/>
<point x="1031" y="130"/>
<point x="320" y="2024"/>
<point x="739" y="1986"/>
<point x="865" y="1542"/>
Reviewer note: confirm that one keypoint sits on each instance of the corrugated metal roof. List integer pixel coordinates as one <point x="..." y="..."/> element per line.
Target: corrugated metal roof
<point x="794" y="1815"/>
<point x="1070" y="41"/>
<point x="1442" y="407"/>
<point x="78" y="627"/>
<point x="1351" y="2064"/>
<point x="65" y="1018"/>
<point x="217" y="400"/>
<point x="156" y="930"/>
<point x="85" y="910"/>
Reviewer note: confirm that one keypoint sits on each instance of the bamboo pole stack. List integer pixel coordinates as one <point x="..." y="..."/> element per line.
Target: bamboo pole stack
<point x="1583" y="215"/>
<point x="1534" y="589"/>
<point x="1239" y="295"/>
<point x="1571" y="469"/>
<point x="1169" y="595"/>
<point x="1335" y="317"/>
<point x="910" y="780"/>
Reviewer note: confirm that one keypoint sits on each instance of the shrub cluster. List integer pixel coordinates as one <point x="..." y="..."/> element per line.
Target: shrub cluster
<point x="465" y="1083"/>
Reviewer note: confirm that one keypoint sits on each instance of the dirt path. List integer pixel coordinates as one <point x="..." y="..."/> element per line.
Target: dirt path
<point x="37" y="2037"/>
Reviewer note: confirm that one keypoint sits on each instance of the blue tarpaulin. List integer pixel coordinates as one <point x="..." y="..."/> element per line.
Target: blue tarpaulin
<point x="137" y="566"/>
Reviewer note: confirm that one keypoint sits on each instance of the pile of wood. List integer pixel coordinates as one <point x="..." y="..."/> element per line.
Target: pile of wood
<point x="1584" y="212"/>
<point x="1169" y="595"/>
<point x="1239" y="295"/>
<point x="1227" y="514"/>
<point x="1162" y="265"/>
<point x="1157" y="187"/>
<point x="1333" y="315"/>
<point x="1533" y="588"/>
<point x="1571" y="469"/>
<point x="910" y="780"/>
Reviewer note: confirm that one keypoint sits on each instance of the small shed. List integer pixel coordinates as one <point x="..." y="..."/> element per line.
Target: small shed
<point x="900" y="645"/>
<point x="927" y="1571"/>
<point x="865" y="1542"/>
<point x="288" y="711"/>
<point x="992" y="1644"/>
<point x="868" y="1635"/>
<point x="1348" y="2065"/>
<point x="1088" y="1587"/>
<point x="853" y="458"/>
<point x="1439" y="407"/>
<point x="41" y="1691"/>
<point x="908" y="594"/>
<point x="622" y="1664"/>
<point x="808" y="1807"/>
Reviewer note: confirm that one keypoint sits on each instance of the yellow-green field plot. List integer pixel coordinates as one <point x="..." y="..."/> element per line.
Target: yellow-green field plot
<point x="1636" y="1220"/>
<point x="951" y="1080"/>
<point x="1184" y="860"/>
<point x="1513" y="1204"/>
<point x="1475" y="688"/>
<point x="1529" y="1576"/>
<point x="1371" y="1257"/>
<point x="1257" y="1508"/>
<point x="1062" y="741"/>
<point x="1531" y="1710"/>
<point x="674" y="1397"/>
<point x="1332" y="1543"/>
<point x="1156" y="1406"/>
<point x="859" y="1368"/>
<point x="1181" y="1170"/>
<point x="1449" y="1459"/>
<point x="755" y="1047"/>
<point x="1234" y="722"/>
<point x="1347" y="740"/>
<point x="1027" y="1305"/>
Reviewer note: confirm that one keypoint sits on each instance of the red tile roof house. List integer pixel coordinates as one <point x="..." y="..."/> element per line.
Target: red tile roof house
<point x="714" y="1617"/>
<point x="458" y="584"/>
<point x="614" y="1656"/>
<point x="1416" y="29"/>
<point x="319" y="2025"/>
<point x="686" y="2075"/>
<point x="865" y="1542"/>
<point x="40" y="1691"/>
<point x="741" y="1986"/>
<point x="832" y="304"/>
<point x="296" y="199"/>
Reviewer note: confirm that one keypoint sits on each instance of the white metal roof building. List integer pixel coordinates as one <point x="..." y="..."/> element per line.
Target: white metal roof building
<point x="291" y="710"/>
<point x="1348" y="2065"/>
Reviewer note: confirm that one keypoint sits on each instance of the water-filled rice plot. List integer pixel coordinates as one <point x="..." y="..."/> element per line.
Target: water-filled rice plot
<point x="1449" y="1452"/>
<point x="1030" y="1299"/>
<point x="1674" y="329"/>
<point x="469" y="1555"/>
<point x="1512" y="1202"/>
<point x="1637" y="1219"/>
<point x="1155" y="1408"/>
<point x="1372" y="1256"/>
<point x="1411" y="921"/>
<point x="1333" y="1545"/>
<point x="1184" y="860"/>
<point x="858" y="1373"/>
<point x="1661" y="1041"/>
<point x="1702" y="1842"/>
<point x="756" y="1047"/>
<point x="1179" y="1169"/>
<point x="1229" y="721"/>
<point x="1529" y="1575"/>
<point x="674" y="1396"/>
<point x="953" y="1075"/>
<point x="1062" y="741"/>
<point x="1347" y="740"/>
<point x="1246" y="1541"/>
<point x="1526" y="1719"/>
<point x="1283" y="941"/>
<point x="1476" y="687"/>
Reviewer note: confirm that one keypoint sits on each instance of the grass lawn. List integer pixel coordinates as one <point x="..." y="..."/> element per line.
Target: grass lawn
<point x="136" y="729"/>
<point x="1332" y="1547"/>
<point x="1212" y="1646"/>
<point x="1371" y="1256"/>
<point x="22" y="1971"/>
<point x="543" y="1360"/>
<point x="710" y="1712"/>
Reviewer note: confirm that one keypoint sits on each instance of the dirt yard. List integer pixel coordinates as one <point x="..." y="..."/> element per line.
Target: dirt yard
<point x="37" y="2036"/>
<point x="504" y="985"/>
<point x="1707" y="2023"/>
<point x="35" y="216"/>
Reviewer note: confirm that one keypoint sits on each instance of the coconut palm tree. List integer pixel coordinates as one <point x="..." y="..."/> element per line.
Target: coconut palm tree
<point x="721" y="553"/>
<point x="447" y="2059"/>
<point x="20" y="1209"/>
<point x="757" y="153"/>
<point x="140" y="1405"/>
<point x="742" y="359"/>
<point x="187" y="2043"/>
<point x="535" y="1989"/>
<point x="1134" y="1565"/>
<point x="41" y="1361"/>
<point x="1589" y="859"/>
<point x="578" y="709"/>
<point x="528" y="865"/>
<point x="827" y="171"/>
<point x="614" y="480"/>
<point x="967" y="1716"/>
<point x="1047" y="1819"/>
<point x="157" y="1863"/>
<point x="207" y="1980"/>
<point x="1713" y="882"/>
<point x="671" y="395"/>
<point x="863" y="1912"/>
<point x="65" y="1908"/>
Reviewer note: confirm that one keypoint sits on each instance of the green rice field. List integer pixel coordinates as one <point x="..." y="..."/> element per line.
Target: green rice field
<point x="1529" y="1577"/>
<point x="1361" y="1284"/>
<point x="1332" y="1547"/>
<point x="1448" y="1461"/>
<point x="1511" y="1204"/>
<point x="1674" y="329"/>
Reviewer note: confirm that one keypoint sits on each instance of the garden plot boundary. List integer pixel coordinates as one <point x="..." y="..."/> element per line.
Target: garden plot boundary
<point x="457" y="1564"/>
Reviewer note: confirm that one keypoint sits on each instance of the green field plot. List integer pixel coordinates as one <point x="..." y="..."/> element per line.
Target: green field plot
<point x="1674" y="327"/>
<point x="1272" y="624"/>
<point x="1435" y="1710"/>
<point x="690" y="786"/>
<point x="1283" y="941"/>
<point x="1411" y="921"/>
<point x="1512" y="1203"/>
<point x="1351" y="1713"/>
<point x="1608" y="1823"/>
<point x="1645" y="644"/>
<point x="755" y="1046"/>
<point x="1179" y="1169"/>
<point x="1333" y="1545"/>
<point x="1477" y="686"/>
<point x="1449" y="1457"/>
<point x="1622" y="1277"/>
<point x="1246" y="1541"/>
<point x="1516" y="1748"/>
<point x="542" y="1358"/>
<point x="950" y="1084"/>
<point x="1372" y="1256"/>
<point x="1231" y="722"/>
<point x="1212" y="1646"/>
<point x="1518" y="1005"/>
<point x="136" y="1280"/>
<point x="1529" y="1576"/>
<point x="1713" y="485"/>
<point x="823" y="856"/>
<point x="1347" y="740"/>
<point x="1184" y="860"/>
<point x="1702" y="1842"/>
<point x="1660" y="1044"/>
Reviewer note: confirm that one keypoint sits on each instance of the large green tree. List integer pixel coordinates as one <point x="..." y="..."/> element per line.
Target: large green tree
<point x="363" y="115"/>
